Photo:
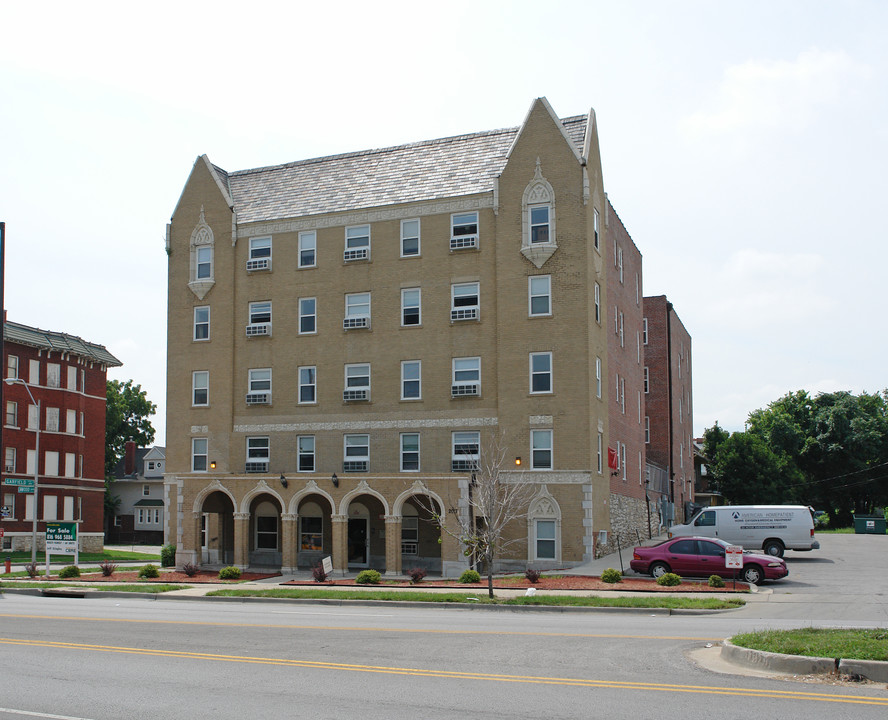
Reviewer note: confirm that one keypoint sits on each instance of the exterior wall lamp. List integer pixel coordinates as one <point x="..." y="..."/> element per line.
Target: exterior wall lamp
<point x="335" y="480"/>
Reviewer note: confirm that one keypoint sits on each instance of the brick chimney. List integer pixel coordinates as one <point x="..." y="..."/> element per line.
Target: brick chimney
<point x="129" y="458"/>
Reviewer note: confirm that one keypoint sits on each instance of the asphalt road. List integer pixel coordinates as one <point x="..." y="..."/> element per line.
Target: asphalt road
<point x="112" y="658"/>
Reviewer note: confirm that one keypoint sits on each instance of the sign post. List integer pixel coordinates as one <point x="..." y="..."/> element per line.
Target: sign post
<point x="734" y="559"/>
<point x="61" y="537"/>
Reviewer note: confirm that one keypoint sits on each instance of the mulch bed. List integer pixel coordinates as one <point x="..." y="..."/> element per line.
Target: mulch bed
<point x="564" y="582"/>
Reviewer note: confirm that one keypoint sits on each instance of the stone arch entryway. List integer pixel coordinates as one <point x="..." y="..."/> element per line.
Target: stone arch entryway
<point x="265" y="534"/>
<point x="364" y="513"/>
<point x="215" y="529"/>
<point x="314" y="530"/>
<point x="420" y="534"/>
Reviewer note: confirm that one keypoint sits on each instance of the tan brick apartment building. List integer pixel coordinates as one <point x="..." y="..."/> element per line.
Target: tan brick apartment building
<point x="347" y="333"/>
<point x="669" y="409"/>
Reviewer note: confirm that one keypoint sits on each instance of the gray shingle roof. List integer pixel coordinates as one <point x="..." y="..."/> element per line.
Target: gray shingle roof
<point x="59" y="342"/>
<point x="426" y="170"/>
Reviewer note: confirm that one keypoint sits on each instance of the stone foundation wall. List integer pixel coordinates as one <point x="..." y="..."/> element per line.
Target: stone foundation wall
<point x="629" y="523"/>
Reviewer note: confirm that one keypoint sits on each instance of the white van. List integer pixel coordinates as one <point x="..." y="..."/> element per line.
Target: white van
<point x="774" y="528"/>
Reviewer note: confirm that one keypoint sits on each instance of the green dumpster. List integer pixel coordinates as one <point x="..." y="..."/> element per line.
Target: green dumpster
<point x="869" y="524"/>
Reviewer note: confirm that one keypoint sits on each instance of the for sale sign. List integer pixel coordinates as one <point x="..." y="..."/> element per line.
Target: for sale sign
<point x="734" y="556"/>
<point x="61" y="538"/>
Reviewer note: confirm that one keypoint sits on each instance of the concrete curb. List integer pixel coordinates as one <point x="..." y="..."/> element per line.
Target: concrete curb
<point x="802" y="664"/>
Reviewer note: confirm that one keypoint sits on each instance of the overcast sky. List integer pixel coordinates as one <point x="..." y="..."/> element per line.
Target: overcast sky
<point x="743" y="145"/>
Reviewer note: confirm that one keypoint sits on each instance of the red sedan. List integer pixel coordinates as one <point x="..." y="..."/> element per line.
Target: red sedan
<point x="702" y="557"/>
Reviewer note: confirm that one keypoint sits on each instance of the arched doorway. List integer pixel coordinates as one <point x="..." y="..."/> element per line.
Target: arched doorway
<point x="420" y="535"/>
<point x="365" y="534"/>
<point x="216" y="529"/>
<point x="265" y="532"/>
<point x="314" y="534"/>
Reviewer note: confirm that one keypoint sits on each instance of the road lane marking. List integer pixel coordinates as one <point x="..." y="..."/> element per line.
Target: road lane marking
<point x="30" y="713"/>
<point x="347" y="628"/>
<point x="792" y="695"/>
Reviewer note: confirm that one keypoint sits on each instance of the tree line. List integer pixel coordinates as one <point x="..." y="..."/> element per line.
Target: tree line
<point x="829" y="451"/>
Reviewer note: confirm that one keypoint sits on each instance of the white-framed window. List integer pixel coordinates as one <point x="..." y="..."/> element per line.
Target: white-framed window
<point x="357" y="243"/>
<point x="596" y="229"/>
<point x="259" y="386"/>
<point x="200" y="388"/>
<point x="620" y="263"/>
<point x="308" y="249"/>
<point x="410" y="246"/>
<point x="647" y="430"/>
<point x="411" y="306"/>
<point x="146" y="490"/>
<point x="545" y="539"/>
<point x="356" y="453"/>
<point x="539" y="223"/>
<point x="50" y="507"/>
<point x="260" y="254"/>
<point x="540" y="372"/>
<point x="623" y="394"/>
<point x="201" y="323"/>
<point x="622" y="336"/>
<point x="52" y="418"/>
<point x="9" y="460"/>
<point x="411" y="379"/>
<point x="308" y="385"/>
<point x="647" y="380"/>
<point x="203" y="268"/>
<point x="466" y="377"/>
<point x="72" y="377"/>
<point x="463" y="231"/>
<point x="30" y="459"/>
<point x="11" y="413"/>
<point x="266" y="527"/>
<point x="357" y="311"/>
<point x="258" y="451"/>
<point x="33" y="417"/>
<point x="409" y="452"/>
<point x="539" y="295"/>
<point x="305" y="451"/>
<point x="644" y="331"/>
<point x="308" y="316"/>
<point x="623" y="459"/>
<point x="54" y="375"/>
<point x="34" y="372"/>
<point x="466" y="451"/>
<point x="12" y="366"/>
<point x="597" y="292"/>
<point x="357" y="382"/>
<point x="599" y="458"/>
<point x="541" y="449"/>
<point x="616" y="320"/>
<point x="409" y="534"/>
<point x="464" y="301"/>
<point x="260" y="318"/>
<point x="199" y="453"/>
<point x="598" y="377"/>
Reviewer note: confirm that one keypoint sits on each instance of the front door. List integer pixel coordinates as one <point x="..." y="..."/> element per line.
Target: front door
<point x="357" y="542"/>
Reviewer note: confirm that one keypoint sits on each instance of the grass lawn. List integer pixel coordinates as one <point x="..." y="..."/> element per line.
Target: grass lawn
<point x="115" y="555"/>
<point x="657" y="601"/>
<point x="820" y="642"/>
<point x="147" y="587"/>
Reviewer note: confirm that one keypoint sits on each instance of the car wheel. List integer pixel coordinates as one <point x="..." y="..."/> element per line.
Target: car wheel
<point x="774" y="548"/>
<point x="658" y="569"/>
<point x="753" y="574"/>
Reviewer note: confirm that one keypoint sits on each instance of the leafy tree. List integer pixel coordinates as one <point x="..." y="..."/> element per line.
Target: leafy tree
<point x="747" y="471"/>
<point x="127" y="413"/>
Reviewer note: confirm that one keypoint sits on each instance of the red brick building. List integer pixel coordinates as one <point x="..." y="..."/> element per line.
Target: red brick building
<point x="669" y="419"/>
<point x="625" y="373"/>
<point x="59" y="382"/>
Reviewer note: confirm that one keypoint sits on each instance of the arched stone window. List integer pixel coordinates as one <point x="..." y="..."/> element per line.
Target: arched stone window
<point x="544" y="528"/>
<point x="538" y="239"/>
<point x="203" y="267"/>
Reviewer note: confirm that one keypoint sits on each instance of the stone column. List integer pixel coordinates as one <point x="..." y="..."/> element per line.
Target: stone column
<point x="392" y="544"/>
<point x="241" y="540"/>
<point x="193" y="554"/>
<point x="288" y="543"/>
<point x="340" y="543"/>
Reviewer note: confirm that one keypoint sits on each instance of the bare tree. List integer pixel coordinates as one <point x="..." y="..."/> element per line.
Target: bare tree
<point x="495" y="500"/>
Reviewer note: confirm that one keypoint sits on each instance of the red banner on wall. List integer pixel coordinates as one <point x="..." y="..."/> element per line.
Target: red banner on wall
<point x="613" y="459"/>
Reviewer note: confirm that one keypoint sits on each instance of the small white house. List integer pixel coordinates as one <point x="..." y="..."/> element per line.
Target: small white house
<point x="138" y="482"/>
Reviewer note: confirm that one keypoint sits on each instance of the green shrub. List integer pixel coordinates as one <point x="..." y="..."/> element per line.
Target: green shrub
<point x="149" y="571"/>
<point x="230" y="573"/>
<point x="716" y="581"/>
<point x="611" y="575"/>
<point x="168" y="555"/>
<point x="470" y="576"/>
<point x="368" y="577"/>
<point x="69" y="571"/>
<point x="669" y="580"/>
